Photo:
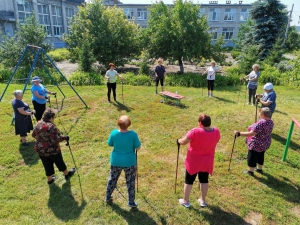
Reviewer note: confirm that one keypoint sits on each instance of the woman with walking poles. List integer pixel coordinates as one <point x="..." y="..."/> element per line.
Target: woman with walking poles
<point x="268" y="98"/>
<point x="125" y="144"/>
<point x="111" y="77"/>
<point x="211" y="76"/>
<point x="199" y="160"/>
<point x="47" y="146"/>
<point x="160" y="74"/>
<point x="258" y="140"/>
<point x="252" y="83"/>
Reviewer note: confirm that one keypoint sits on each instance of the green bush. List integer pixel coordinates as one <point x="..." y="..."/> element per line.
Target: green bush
<point x="59" y="54"/>
<point x="269" y="74"/>
<point x="235" y="54"/>
<point x="5" y="74"/>
<point x="132" y="79"/>
<point x="144" y="68"/>
<point x="80" y="78"/>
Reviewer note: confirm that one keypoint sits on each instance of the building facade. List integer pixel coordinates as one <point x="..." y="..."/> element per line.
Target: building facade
<point x="223" y="19"/>
<point x="53" y="14"/>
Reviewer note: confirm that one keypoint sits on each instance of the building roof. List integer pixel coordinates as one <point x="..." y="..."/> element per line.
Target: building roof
<point x="7" y="15"/>
<point x="76" y="1"/>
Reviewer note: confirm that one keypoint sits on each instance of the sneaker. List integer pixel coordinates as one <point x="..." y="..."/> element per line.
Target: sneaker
<point x="182" y="202"/>
<point x="109" y="199"/>
<point x="202" y="203"/>
<point x="156" y="92"/>
<point x="258" y="170"/>
<point x="52" y="181"/>
<point x="132" y="204"/>
<point x="249" y="173"/>
<point x="249" y="103"/>
<point x="70" y="173"/>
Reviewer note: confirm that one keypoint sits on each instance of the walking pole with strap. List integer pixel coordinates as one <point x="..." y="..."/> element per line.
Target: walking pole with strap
<point x="137" y="175"/>
<point x="231" y="152"/>
<point x="178" y="145"/>
<point x="255" y="119"/>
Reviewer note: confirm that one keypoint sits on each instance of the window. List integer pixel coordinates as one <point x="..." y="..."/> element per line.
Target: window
<point x="244" y="14"/>
<point x="202" y="12"/>
<point x="214" y="33"/>
<point x="229" y="14"/>
<point x="128" y="13"/>
<point x="141" y="14"/>
<point x="24" y="10"/>
<point x="44" y="19"/>
<point x="227" y="33"/>
<point x="214" y="15"/>
<point x="69" y="15"/>
<point x="56" y="20"/>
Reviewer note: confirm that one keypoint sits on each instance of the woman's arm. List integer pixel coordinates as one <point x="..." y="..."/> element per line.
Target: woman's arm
<point x="245" y="134"/>
<point x="36" y="94"/>
<point x="184" y="141"/>
<point x="23" y="112"/>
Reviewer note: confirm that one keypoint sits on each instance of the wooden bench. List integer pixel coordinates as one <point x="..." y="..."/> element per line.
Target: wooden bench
<point x="173" y="96"/>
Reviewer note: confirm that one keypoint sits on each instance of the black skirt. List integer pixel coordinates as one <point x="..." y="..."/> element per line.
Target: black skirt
<point x="23" y="125"/>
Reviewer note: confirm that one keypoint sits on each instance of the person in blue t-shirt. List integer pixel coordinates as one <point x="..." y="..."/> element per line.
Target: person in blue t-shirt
<point x="160" y="74"/>
<point x="252" y="83"/>
<point x="39" y="97"/>
<point x="125" y="143"/>
<point x="268" y="99"/>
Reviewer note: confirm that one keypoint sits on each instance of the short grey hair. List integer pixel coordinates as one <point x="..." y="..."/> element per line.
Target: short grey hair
<point x="255" y="65"/>
<point x="266" y="112"/>
<point x="18" y="93"/>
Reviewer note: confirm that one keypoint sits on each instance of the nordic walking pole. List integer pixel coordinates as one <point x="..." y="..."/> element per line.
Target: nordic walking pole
<point x="122" y="93"/>
<point x="256" y="101"/>
<point x="178" y="145"/>
<point x="231" y="153"/>
<point x="137" y="175"/>
<point x="49" y="101"/>
<point x="202" y="83"/>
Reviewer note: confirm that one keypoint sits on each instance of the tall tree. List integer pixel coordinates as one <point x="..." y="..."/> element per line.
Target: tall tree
<point x="111" y="37"/>
<point x="270" y="17"/>
<point x="177" y="32"/>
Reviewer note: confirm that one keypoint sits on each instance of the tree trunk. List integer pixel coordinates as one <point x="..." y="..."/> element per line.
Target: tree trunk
<point x="181" y="65"/>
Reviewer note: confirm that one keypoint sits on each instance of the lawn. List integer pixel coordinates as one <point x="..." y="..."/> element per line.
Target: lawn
<point x="233" y="198"/>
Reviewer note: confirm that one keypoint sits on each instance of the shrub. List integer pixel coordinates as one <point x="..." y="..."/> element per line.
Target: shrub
<point x="269" y="74"/>
<point x="284" y="66"/>
<point x="235" y="54"/>
<point x="5" y="74"/>
<point x="144" y="68"/>
<point x="132" y="79"/>
<point x="59" y="55"/>
<point x="80" y="78"/>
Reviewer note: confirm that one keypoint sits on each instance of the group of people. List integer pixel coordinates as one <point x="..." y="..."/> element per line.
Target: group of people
<point x="201" y="140"/>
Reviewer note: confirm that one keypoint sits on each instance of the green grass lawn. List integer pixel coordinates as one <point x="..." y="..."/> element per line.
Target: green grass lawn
<point x="233" y="198"/>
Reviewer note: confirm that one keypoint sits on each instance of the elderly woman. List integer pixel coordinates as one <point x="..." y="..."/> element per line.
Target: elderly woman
<point x="125" y="143"/>
<point x="39" y="97"/>
<point x="160" y="74"/>
<point x="258" y="139"/>
<point x="268" y="99"/>
<point x="111" y="77"/>
<point x="211" y="76"/>
<point x="23" y="123"/>
<point x="200" y="157"/>
<point x="47" y="146"/>
<point x="252" y="83"/>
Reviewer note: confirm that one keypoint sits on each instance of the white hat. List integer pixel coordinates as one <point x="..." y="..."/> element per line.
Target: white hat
<point x="36" y="78"/>
<point x="268" y="86"/>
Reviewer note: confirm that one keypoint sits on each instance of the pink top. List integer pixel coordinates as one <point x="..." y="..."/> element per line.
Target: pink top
<point x="201" y="150"/>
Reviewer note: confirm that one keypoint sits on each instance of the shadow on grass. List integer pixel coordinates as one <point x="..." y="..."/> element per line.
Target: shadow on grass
<point x="133" y="216"/>
<point x="162" y="218"/>
<point x="282" y="140"/>
<point x="224" y="100"/>
<point x="172" y="103"/>
<point x="280" y="112"/>
<point x="121" y="106"/>
<point x="285" y="187"/>
<point x="63" y="204"/>
<point x="29" y="155"/>
<point x="215" y="215"/>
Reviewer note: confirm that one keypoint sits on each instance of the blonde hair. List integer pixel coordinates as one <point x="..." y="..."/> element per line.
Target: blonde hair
<point x="124" y="122"/>
<point x="213" y="62"/>
<point x="255" y="65"/>
<point x="266" y="112"/>
<point x="17" y="93"/>
<point x="160" y="60"/>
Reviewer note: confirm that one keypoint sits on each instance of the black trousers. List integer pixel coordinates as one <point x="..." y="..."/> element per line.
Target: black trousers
<point x="254" y="158"/>
<point x="210" y="84"/>
<point x="50" y="160"/>
<point x="252" y="93"/>
<point x="113" y="87"/>
<point x="202" y="176"/>
<point x="39" y="110"/>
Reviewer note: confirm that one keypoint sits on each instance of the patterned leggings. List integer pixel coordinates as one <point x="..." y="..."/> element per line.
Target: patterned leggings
<point x="114" y="174"/>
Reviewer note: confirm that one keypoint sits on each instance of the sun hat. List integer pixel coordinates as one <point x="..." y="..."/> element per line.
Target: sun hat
<point x="36" y="78"/>
<point x="268" y="86"/>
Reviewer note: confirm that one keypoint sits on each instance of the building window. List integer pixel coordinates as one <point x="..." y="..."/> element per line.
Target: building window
<point x="229" y="14"/>
<point x="214" y="14"/>
<point x="56" y="20"/>
<point x="24" y="10"/>
<point x="141" y="14"/>
<point x="202" y="12"/>
<point x="128" y="13"/>
<point x="214" y="33"/>
<point x="44" y="19"/>
<point x="227" y="33"/>
<point x="244" y="14"/>
<point x="69" y="15"/>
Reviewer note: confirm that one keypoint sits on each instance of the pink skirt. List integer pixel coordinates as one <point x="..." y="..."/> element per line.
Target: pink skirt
<point x="194" y="163"/>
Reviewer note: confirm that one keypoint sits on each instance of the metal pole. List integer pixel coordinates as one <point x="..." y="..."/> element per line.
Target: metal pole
<point x="288" y="140"/>
<point x="178" y="145"/>
<point x="288" y="26"/>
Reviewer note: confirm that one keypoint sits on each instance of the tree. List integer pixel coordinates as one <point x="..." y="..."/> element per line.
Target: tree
<point x="11" y="48"/>
<point x="293" y="39"/>
<point x="244" y="35"/>
<point x="177" y="32"/>
<point x="111" y="37"/>
<point x="270" y="17"/>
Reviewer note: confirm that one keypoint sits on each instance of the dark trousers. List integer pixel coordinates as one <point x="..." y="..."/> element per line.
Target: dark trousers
<point x="39" y="110"/>
<point x="210" y="84"/>
<point x="114" y="174"/>
<point x="252" y="93"/>
<point x="111" y="86"/>
<point x="254" y="158"/>
<point x="202" y="176"/>
<point x="48" y="162"/>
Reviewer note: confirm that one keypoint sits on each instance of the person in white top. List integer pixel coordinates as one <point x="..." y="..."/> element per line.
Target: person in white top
<point x="211" y="76"/>
<point x="111" y="77"/>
